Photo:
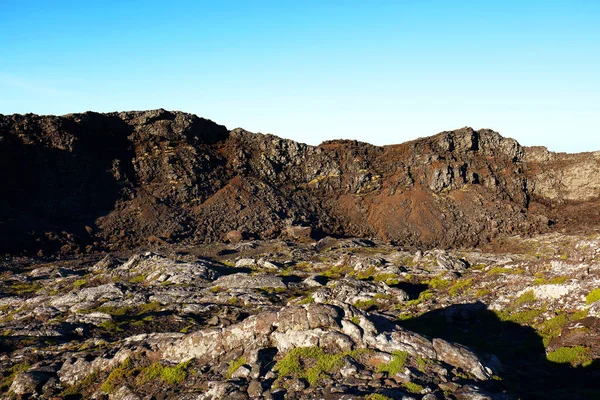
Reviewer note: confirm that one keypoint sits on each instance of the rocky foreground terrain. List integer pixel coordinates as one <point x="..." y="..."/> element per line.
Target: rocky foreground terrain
<point x="328" y="319"/>
<point x="155" y="255"/>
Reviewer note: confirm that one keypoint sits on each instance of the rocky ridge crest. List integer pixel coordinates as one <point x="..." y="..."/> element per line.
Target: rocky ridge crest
<point x="86" y="182"/>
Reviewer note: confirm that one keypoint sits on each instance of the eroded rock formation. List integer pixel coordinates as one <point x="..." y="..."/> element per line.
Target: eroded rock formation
<point x="91" y="181"/>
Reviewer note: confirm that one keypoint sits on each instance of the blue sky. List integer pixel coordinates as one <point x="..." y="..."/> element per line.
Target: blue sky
<point x="377" y="71"/>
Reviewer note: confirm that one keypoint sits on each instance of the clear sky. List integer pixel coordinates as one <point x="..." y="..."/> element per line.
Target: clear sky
<point x="378" y="71"/>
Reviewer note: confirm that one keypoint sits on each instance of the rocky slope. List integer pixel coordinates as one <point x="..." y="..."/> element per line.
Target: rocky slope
<point x="87" y="182"/>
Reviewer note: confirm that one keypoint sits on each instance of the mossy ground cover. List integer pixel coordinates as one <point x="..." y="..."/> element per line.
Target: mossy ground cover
<point x="396" y="365"/>
<point x="576" y="356"/>
<point x="129" y="373"/>
<point x="593" y="296"/>
<point x="234" y="365"/>
<point x="7" y="377"/>
<point x="313" y="363"/>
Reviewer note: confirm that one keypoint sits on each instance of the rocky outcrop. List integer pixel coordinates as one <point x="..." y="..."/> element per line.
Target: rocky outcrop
<point x="85" y="182"/>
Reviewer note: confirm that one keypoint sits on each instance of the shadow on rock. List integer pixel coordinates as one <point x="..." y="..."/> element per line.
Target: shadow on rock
<point x="517" y="351"/>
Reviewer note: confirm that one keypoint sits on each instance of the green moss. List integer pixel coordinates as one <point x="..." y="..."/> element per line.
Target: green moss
<point x="338" y="271"/>
<point x="149" y="308"/>
<point x="580" y="314"/>
<point x="377" y="396"/>
<point x="478" y="267"/>
<point x="557" y="280"/>
<point x="12" y="372"/>
<point x="374" y="302"/>
<point x="168" y="374"/>
<point x="552" y="327"/>
<point x="593" y="296"/>
<point x="112" y="310"/>
<point x="366" y="274"/>
<point x="527" y="297"/>
<point x="110" y="326"/>
<point x="482" y="292"/>
<point x="460" y="287"/>
<point x="575" y="356"/>
<point x="138" y="279"/>
<point x="438" y="283"/>
<point x="80" y="386"/>
<point x="413" y="387"/>
<point x="118" y="374"/>
<point x="355" y="320"/>
<point x="396" y="365"/>
<point x="405" y="317"/>
<point x="423" y="296"/>
<point x="307" y="300"/>
<point x="422" y="363"/>
<point x="312" y="363"/>
<point x="79" y="283"/>
<point x="25" y="288"/>
<point x="408" y="261"/>
<point x="234" y="365"/>
<point x="233" y="301"/>
<point x="525" y="317"/>
<point x="271" y="290"/>
<point x="176" y="374"/>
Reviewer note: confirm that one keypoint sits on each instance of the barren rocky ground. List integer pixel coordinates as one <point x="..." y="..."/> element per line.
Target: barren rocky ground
<point x="155" y="255"/>
<point x="335" y="318"/>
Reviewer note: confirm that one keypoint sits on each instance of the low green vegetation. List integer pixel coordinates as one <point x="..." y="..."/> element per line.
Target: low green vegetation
<point x="306" y="300"/>
<point x="234" y="365"/>
<point x="396" y="365"/>
<point x="6" y="381"/>
<point x="504" y="270"/>
<point x="376" y="301"/>
<point x="460" y="287"/>
<point x="377" y="396"/>
<point x="366" y="274"/>
<point x="129" y="310"/>
<point x="25" y="288"/>
<point x="110" y="326"/>
<point x="79" y="283"/>
<point x="422" y="363"/>
<point x="557" y="280"/>
<point x="577" y="355"/>
<point x="168" y="374"/>
<point x="527" y="298"/>
<point x="138" y="278"/>
<point x="118" y="373"/>
<point x="338" y="271"/>
<point x="593" y="296"/>
<point x="313" y="363"/>
<point x="423" y="296"/>
<point x="413" y="387"/>
<point x="80" y="386"/>
<point x="438" y="282"/>
<point x="126" y="372"/>
<point x="482" y="292"/>
<point x="552" y="327"/>
<point x="524" y="317"/>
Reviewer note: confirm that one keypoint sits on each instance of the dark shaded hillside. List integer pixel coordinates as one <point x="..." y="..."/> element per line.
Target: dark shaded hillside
<point x="90" y="181"/>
